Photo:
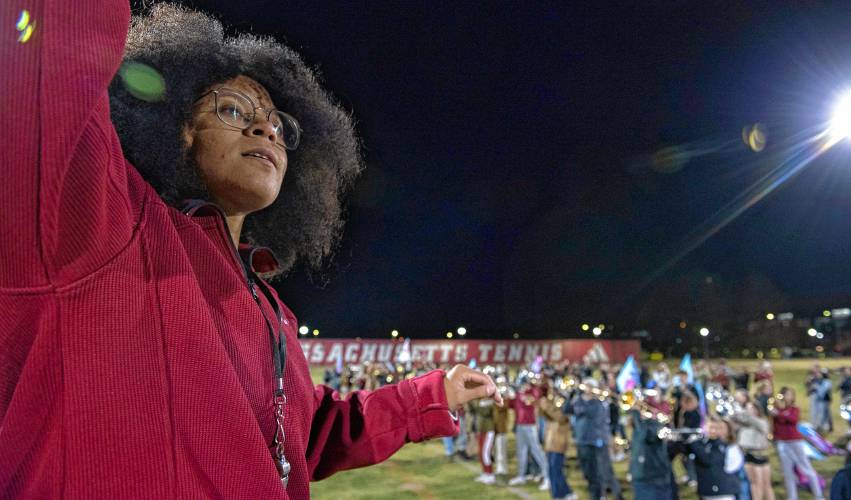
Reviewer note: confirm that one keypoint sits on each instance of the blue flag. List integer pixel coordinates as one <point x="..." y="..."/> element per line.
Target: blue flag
<point x="628" y="377"/>
<point x="685" y="365"/>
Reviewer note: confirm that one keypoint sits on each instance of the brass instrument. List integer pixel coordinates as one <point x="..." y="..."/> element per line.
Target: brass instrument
<point x="506" y="390"/>
<point x="771" y="404"/>
<point x="725" y="403"/>
<point x="845" y="408"/>
<point x="636" y="399"/>
<point x="684" y="434"/>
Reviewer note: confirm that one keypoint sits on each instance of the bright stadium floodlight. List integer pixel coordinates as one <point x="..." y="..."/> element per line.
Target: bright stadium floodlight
<point x="597" y="331"/>
<point x="704" y="332"/>
<point x="840" y="121"/>
<point x="462" y="331"/>
<point x="304" y="330"/>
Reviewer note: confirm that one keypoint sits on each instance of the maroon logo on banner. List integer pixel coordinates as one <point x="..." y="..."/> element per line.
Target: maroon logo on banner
<point x="511" y="352"/>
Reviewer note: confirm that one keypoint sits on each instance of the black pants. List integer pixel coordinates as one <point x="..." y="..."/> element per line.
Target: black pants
<point x="597" y="469"/>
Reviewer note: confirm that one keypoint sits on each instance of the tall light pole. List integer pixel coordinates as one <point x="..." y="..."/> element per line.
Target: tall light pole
<point x="704" y="332"/>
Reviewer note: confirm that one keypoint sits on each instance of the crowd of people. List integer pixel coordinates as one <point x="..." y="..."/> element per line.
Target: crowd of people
<point x="717" y="421"/>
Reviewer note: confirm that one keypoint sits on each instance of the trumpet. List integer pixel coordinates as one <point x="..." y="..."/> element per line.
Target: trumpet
<point x="636" y="399"/>
<point x="684" y="434"/>
<point x="771" y="404"/>
<point x="506" y="390"/>
<point x="725" y="403"/>
<point x="845" y="408"/>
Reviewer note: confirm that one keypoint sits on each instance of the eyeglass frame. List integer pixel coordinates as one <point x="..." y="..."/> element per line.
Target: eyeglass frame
<point x="254" y="109"/>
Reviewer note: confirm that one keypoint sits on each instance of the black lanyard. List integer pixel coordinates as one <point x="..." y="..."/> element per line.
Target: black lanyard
<point x="276" y="335"/>
<point x="279" y="360"/>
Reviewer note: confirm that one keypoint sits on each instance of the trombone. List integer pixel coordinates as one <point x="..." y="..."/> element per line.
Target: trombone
<point x="636" y="399"/>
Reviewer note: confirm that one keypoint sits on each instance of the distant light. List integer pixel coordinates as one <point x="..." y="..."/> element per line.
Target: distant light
<point x="462" y="331"/>
<point x="394" y="333"/>
<point x="786" y="316"/>
<point x="841" y="313"/>
<point x="683" y="325"/>
<point x="825" y="313"/>
<point x="449" y="335"/>
<point x="304" y="330"/>
<point x="315" y="333"/>
<point x="819" y="335"/>
<point x="585" y="327"/>
<point x="819" y="348"/>
<point x="597" y="331"/>
<point x="704" y="332"/>
<point x="769" y="316"/>
<point x="601" y="326"/>
<point x="812" y="332"/>
<point x="840" y="121"/>
<point x="516" y="335"/>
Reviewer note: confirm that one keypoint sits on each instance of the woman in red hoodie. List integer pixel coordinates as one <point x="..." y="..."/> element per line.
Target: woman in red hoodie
<point x="790" y="445"/>
<point x="141" y="353"/>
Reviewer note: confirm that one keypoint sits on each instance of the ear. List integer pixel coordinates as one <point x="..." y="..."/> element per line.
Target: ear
<point x="187" y="135"/>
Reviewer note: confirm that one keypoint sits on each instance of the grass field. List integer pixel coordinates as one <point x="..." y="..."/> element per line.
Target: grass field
<point x="421" y="471"/>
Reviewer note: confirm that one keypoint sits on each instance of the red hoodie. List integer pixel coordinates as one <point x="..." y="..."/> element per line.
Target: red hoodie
<point x="786" y="424"/>
<point x="134" y="362"/>
<point x="525" y="413"/>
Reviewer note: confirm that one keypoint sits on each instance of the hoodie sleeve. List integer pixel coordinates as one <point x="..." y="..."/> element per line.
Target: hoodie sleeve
<point x="64" y="207"/>
<point x="366" y="427"/>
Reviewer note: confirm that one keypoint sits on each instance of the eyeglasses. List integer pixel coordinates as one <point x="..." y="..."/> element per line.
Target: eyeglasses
<point x="238" y="110"/>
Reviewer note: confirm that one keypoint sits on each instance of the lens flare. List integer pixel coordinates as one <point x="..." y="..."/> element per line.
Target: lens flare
<point x="23" y="20"/>
<point x="142" y="81"/>
<point x="755" y="137"/>
<point x="24" y="26"/>
<point x="840" y="122"/>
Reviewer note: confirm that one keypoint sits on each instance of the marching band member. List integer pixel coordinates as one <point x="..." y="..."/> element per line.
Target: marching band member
<point x="526" y="434"/>
<point x="555" y="445"/>
<point x="790" y="445"/>
<point x="649" y="465"/>
<point x="592" y="436"/>
<point x="753" y="439"/>
<point x="482" y="411"/>
<point x="500" y="427"/>
<point x="718" y="459"/>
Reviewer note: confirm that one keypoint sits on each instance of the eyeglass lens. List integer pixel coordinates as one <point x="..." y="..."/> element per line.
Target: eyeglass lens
<point x="238" y="111"/>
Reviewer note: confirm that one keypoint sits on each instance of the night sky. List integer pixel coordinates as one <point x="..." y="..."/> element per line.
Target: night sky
<point x="533" y="166"/>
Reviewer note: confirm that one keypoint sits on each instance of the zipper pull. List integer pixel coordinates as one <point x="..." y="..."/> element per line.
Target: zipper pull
<point x="253" y="289"/>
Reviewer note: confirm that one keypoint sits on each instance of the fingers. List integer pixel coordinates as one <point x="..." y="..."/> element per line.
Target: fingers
<point x="476" y="385"/>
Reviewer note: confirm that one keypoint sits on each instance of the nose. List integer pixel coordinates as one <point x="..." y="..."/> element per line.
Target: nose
<point x="262" y="128"/>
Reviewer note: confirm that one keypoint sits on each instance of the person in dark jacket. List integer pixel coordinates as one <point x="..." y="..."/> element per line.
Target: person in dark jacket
<point x="719" y="460"/>
<point x="687" y="416"/>
<point x="649" y="464"/>
<point x="840" y="486"/>
<point x="592" y="438"/>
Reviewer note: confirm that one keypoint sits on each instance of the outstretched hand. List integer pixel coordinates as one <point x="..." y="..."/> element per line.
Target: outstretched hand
<point x="463" y="384"/>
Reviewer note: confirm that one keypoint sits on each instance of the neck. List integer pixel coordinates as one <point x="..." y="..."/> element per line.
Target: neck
<point x="235" y="227"/>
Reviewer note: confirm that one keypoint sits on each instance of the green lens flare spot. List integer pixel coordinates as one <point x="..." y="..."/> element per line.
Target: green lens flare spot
<point x="142" y="81"/>
<point x="23" y="20"/>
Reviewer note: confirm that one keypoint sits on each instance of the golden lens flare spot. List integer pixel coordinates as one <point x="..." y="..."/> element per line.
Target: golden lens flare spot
<point x="142" y="81"/>
<point x="24" y="26"/>
<point x="669" y="160"/>
<point x="755" y="137"/>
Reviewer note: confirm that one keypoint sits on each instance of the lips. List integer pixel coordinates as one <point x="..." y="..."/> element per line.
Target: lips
<point x="263" y="154"/>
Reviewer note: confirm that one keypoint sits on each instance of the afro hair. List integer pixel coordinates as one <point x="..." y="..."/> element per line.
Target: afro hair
<point x="192" y="52"/>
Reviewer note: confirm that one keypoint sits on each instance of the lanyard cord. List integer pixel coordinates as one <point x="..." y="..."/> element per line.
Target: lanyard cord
<point x="279" y="361"/>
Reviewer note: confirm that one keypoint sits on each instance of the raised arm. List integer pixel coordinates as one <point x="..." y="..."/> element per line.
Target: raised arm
<point x="64" y="202"/>
<point x="367" y="427"/>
